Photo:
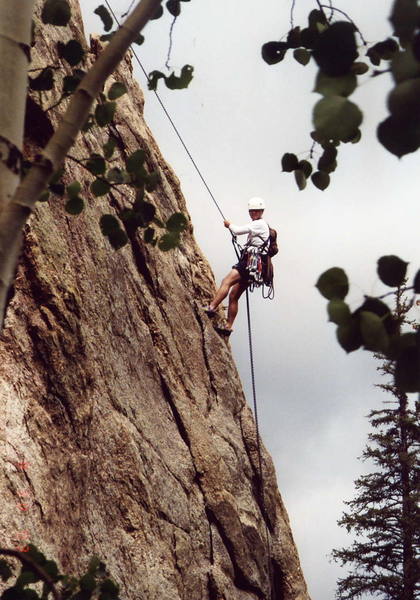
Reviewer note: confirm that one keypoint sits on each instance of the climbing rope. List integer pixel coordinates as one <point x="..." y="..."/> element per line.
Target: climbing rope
<point x="238" y="249"/>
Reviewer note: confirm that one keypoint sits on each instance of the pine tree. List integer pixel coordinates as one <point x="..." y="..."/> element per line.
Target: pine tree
<point x="384" y="515"/>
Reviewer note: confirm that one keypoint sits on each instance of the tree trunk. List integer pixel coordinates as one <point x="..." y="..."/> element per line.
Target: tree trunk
<point x="16" y="212"/>
<point x="15" y="38"/>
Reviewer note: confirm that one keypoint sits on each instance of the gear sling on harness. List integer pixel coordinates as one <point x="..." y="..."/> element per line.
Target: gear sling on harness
<point x="258" y="263"/>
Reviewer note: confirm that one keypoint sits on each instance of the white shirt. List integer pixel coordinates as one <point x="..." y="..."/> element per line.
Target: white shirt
<point x="258" y="232"/>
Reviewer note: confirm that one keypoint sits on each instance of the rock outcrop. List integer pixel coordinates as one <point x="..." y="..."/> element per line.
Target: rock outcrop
<point x="123" y="423"/>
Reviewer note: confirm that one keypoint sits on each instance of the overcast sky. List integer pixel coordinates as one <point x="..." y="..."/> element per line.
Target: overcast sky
<point x="238" y="117"/>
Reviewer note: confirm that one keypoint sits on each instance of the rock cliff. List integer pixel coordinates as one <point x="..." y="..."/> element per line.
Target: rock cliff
<point x="123" y="421"/>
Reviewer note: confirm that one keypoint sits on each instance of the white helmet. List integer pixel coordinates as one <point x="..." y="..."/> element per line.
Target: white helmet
<point x="256" y="204"/>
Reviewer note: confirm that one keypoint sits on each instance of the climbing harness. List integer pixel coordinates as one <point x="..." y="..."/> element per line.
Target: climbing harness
<point x="259" y="267"/>
<point x="238" y="251"/>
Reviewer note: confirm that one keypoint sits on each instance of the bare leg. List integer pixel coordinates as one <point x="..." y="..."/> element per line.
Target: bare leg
<point x="231" y="279"/>
<point x="235" y="293"/>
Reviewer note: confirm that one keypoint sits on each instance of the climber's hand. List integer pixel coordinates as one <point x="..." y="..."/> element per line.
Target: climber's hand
<point x="226" y="223"/>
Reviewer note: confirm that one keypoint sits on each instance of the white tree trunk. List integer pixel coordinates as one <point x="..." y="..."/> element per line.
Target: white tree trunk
<point x="15" y="213"/>
<point x="15" y="39"/>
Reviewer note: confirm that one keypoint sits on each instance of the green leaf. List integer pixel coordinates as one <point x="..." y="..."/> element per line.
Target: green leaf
<point x="93" y="565"/>
<point x="405" y="66"/>
<point x="359" y="68"/>
<point x="379" y="308"/>
<point x="293" y="38"/>
<point x="348" y="335"/>
<point x="274" y="52"/>
<point x="321" y="180"/>
<point x="72" y="52"/>
<point x="404" y="18"/>
<point x="404" y="100"/>
<point x="104" y="113"/>
<point x="306" y="167"/>
<point x="174" y="7"/>
<point x="333" y="284"/>
<point x="118" y="239"/>
<point x="336" y="118"/>
<point x="302" y="56"/>
<point x="116" y="90"/>
<point x="109" y="587"/>
<point x="289" y="162"/>
<point x="105" y="16"/>
<point x="179" y="83"/>
<point x="152" y="181"/>
<point x="139" y="40"/>
<point x="315" y="18"/>
<point x="109" y="147"/>
<point x="96" y="164"/>
<point x="135" y="161"/>
<point x="75" y="206"/>
<point x="375" y="337"/>
<point x="177" y="222"/>
<point x="56" y="12"/>
<point x="399" y="136"/>
<point x="327" y="162"/>
<point x="50" y="567"/>
<point x="153" y="79"/>
<point x="87" y="583"/>
<point x="300" y="179"/>
<point x="73" y="189"/>
<point x="338" y="312"/>
<point x="70" y="82"/>
<point x="109" y="224"/>
<point x="384" y="50"/>
<point x="158" y="13"/>
<point x="392" y="270"/>
<point x="335" y="50"/>
<point x="43" y="82"/>
<point x="107" y="37"/>
<point x="309" y="38"/>
<point x="100" y="187"/>
<point x="168" y="241"/>
<point x="335" y="86"/>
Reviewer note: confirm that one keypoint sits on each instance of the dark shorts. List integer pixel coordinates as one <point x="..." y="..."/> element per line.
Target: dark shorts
<point x="241" y="268"/>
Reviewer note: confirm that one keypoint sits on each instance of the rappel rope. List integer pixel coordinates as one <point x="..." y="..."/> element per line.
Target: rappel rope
<point x="251" y="353"/>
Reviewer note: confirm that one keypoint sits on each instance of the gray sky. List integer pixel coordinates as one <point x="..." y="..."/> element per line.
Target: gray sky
<point x="238" y="117"/>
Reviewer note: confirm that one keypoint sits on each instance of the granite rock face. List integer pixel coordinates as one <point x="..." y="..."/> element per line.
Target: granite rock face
<point x="123" y="425"/>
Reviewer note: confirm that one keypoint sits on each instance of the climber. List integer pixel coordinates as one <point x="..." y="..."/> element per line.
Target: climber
<point x="238" y="279"/>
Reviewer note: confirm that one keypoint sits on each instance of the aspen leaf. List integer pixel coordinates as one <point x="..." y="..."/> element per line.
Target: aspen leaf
<point x="56" y="12"/>
<point x="338" y="311"/>
<point x="74" y="206"/>
<point x="289" y="162"/>
<point x="73" y="189"/>
<point x="302" y="56"/>
<point x="72" y="52"/>
<point x="177" y="222"/>
<point x="109" y="224"/>
<point x="43" y="82"/>
<point x="375" y="337"/>
<point x="149" y="235"/>
<point x="321" y="180"/>
<point x="359" y="68"/>
<point x="158" y="13"/>
<point x="135" y="161"/>
<point x="300" y="179"/>
<point x="174" y="7"/>
<point x="168" y="241"/>
<point x="116" y="90"/>
<point x="306" y="167"/>
<point x="274" y="52"/>
<point x="348" y="335"/>
<point x="104" y="113"/>
<point x="335" y="86"/>
<point x="99" y="187"/>
<point x="417" y="283"/>
<point x="392" y="270"/>
<point x="333" y="284"/>
<point x="399" y="136"/>
<point x="335" y="49"/>
<point x="96" y="164"/>
<point x="336" y="118"/>
<point x="105" y="17"/>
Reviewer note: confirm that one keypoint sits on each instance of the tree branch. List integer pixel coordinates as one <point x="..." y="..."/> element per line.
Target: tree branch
<point x="17" y="212"/>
